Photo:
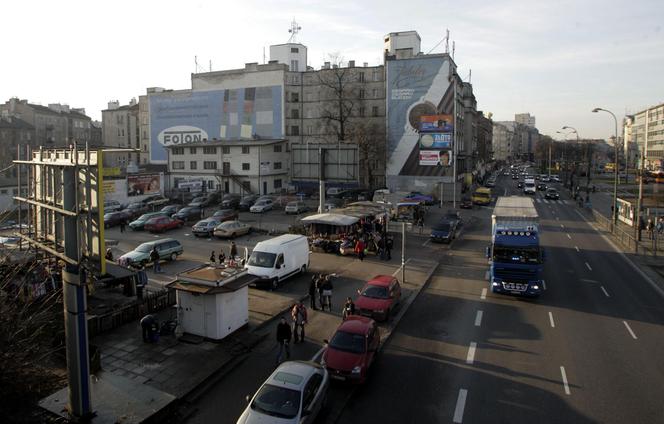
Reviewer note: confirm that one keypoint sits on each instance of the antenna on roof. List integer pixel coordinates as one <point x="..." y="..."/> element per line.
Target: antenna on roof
<point x="447" y="42"/>
<point x="453" y="49"/>
<point x="294" y="29"/>
<point x="470" y="75"/>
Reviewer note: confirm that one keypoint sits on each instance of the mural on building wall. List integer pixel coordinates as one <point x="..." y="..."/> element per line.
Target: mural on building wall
<point x="419" y="114"/>
<point x="195" y="116"/>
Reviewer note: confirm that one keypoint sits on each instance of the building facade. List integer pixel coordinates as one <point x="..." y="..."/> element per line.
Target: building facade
<point x="120" y="129"/>
<point x="525" y="119"/>
<point x="645" y="132"/>
<point x="15" y="135"/>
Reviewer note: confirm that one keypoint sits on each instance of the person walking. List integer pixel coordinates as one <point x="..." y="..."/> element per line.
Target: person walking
<point x="319" y="285"/>
<point x="660" y="225"/>
<point x="122" y="225"/>
<point x="299" y="317"/>
<point x="650" y="228"/>
<point x="388" y="247"/>
<point x="349" y="309"/>
<point x="213" y="258"/>
<point x="109" y="255"/>
<point x="222" y="257"/>
<point x="233" y="251"/>
<point x="154" y="257"/>
<point x="327" y="293"/>
<point x="313" y="290"/>
<point x="359" y="249"/>
<point x="283" y="339"/>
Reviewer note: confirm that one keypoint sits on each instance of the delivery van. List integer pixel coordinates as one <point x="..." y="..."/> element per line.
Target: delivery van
<point x="276" y="259"/>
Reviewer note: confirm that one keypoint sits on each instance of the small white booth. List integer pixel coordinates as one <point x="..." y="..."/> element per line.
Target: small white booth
<point x="213" y="301"/>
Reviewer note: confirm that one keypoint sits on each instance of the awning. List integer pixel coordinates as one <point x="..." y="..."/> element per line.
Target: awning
<point x="330" y="219"/>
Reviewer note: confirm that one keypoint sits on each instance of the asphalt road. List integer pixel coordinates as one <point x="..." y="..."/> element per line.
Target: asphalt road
<point x="588" y="350"/>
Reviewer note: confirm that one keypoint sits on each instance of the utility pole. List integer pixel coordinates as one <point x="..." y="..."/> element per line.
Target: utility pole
<point x="639" y="200"/>
<point x="403" y="253"/>
<point x="455" y="150"/>
<point x="550" y="143"/>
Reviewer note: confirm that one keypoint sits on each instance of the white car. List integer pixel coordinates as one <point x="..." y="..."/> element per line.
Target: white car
<point x="261" y="206"/>
<point x="296" y="207"/>
<point x="294" y="393"/>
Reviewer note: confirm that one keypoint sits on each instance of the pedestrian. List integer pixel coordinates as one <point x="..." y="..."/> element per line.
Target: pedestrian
<point x="321" y="298"/>
<point x="313" y="291"/>
<point x="327" y="293"/>
<point x="154" y="257"/>
<point x="299" y="317"/>
<point x="233" y="251"/>
<point x="349" y="308"/>
<point x="122" y="225"/>
<point x="109" y="255"/>
<point x="148" y="324"/>
<point x="359" y="249"/>
<point x="213" y="258"/>
<point x="660" y="225"/>
<point x="650" y="227"/>
<point x="283" y="339"/>
<point x="222" y="257"/>
<point x="388" y="247"/>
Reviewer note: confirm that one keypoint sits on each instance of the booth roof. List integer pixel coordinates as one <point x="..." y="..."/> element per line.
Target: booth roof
<point x="330" y="219"/>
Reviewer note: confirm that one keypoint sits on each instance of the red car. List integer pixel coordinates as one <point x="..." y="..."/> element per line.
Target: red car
<point x="352" y="349"/>
<point x="160" y="224"/>
<point x="379" y="297"/>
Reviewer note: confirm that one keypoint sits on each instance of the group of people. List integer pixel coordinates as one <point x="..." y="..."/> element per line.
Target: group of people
<point x="321" y="288"/>
<point x="222" y="256"/>
<point x="652" y="226"/>
<point x="298" y="315"/>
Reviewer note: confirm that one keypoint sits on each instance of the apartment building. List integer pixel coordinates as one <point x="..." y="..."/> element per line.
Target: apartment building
<point x="120" y="129"/>
<point x="645" y="131"/>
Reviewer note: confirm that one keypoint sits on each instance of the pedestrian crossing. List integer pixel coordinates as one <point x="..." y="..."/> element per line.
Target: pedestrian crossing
<point x="560" y="202"/>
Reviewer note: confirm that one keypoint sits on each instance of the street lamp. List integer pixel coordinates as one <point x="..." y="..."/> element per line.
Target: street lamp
<point x="614" y="212"/>
<point x="565" y="159"/>
<point x="573" y="131"/>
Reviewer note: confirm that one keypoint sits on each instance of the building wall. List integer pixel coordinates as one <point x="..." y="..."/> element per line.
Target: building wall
<point x="292" y="54"/>
<point x="646" y="130"/>
<point x="120" y="130"/>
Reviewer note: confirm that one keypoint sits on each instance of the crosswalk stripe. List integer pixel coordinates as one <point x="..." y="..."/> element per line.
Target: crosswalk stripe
<point x="538" y="200"/>
<point x="546" y="201"/>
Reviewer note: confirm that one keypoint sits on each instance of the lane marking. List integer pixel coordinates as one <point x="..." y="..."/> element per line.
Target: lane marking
<point x="545" y="201"/>
<point x="426" y="242"/>
<point x="544" y="284"/>
<point x="569" y="237"/>
<point x="577" y="248"/>
<point x="471" y="353"/>
<point x="605" y="292"/>
<point x="553" y="324"/>
<point x="399" y="269"/>
<point x="562" y="372"/>
<point x="478" y="318"/>
<point x="483" y="296"/>
<point x="588" y="280"/>
<point x="562" y="226"/>
<point x="557" y="219"/>
<point x="588" y="266"/>
<point x="460" y="406"/>
<point x="630" y="330"/>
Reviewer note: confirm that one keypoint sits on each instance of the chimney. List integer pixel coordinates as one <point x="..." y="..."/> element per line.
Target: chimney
<point x="113" y="104"/>
<point x="326" y="65"/>
<point x="366" y="64"/>
<point x="351" y="63"/>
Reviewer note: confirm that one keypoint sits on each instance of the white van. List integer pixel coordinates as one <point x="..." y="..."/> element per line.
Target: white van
<point x="529" y="186"/>
<point x="277" y="259"/>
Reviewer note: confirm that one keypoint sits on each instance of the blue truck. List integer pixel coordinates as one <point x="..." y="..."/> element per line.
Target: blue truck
<point x="515" y="255"/>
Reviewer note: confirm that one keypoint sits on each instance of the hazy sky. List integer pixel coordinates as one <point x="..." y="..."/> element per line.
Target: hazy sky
<point x="556" y="59"/>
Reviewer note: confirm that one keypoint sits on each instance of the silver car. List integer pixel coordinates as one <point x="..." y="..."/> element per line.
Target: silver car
<point x="296" y="207"/>
<point x="294" y="393"/>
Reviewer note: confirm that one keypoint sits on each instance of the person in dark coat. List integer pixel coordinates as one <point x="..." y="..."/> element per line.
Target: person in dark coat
<point x="213" y="258"/>
<point x="313" y="291"/>
<point x="233" y="251"/>
<point x="222" y="257"/>
<point x="283" y="339"/>
<point x="148" y="324"/>
<point x="154" y="257"/>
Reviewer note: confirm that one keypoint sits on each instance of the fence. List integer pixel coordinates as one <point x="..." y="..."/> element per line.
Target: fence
<point x="151" y="302"/>
<point x="627" y="239"/>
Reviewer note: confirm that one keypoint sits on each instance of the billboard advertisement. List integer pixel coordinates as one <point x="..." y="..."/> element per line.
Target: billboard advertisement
<point x="419" y="115"/>
<point x="139" y="185"/>
<point x="442" y="158"/>
<point x="191" y="116"/>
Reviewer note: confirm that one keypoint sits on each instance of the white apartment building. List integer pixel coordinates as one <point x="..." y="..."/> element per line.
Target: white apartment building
<point x="645" y="129"/>
<point x="503" y="137"/>
<point x="525" y="119"/>
<point x="232" y="166"/>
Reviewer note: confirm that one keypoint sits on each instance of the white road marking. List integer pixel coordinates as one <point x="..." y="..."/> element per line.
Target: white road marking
<point x="426" y="242"/>
<point x="605" y="292"/>
<point x="630" y="330"/>
<point x="577" y="248"/>
<point x="478" y="318"/>
<point x="483" y="296"/>
<point x="562" y="372"/>
<point x="588" y="266"/>
<point x="538" y="200"/>
<point x="471" y="353"/>
<point x="562" y="226"/>
<point x="460" y="406"/>
<point x="486" y="275"/>
<point x="553" y="324"/>
<point x="569" y="237"/>
<point x="187" y="234"/>
<point x="557" y="219"/>
<point x="588" y="280"/>
<point x="399" y="269"/>
<point x="544" y="284"/>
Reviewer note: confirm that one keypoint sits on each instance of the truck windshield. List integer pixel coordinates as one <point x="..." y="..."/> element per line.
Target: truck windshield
<point x="262" y="259"/>
<point x="516" y="255"/>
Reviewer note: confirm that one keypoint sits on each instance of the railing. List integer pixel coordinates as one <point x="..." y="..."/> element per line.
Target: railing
<point x="627" y="239"/>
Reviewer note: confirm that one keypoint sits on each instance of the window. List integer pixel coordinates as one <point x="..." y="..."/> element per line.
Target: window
<point x="277" y="148"/>
<point x="295" y="130"/>
<point x="177" y="151"/>
<point x="294" y="65"/>
<point x="374" y="111"/>
<point x="374" y="93"/>
<point x="294" y="50"/>
<point x="277" y="165"/>
<point x="246" y="166"/>
<point x="193" y="164"/>
<point x="192" y="150"/>
<point x="209" y="164"/>
<point x="123" y="132"/>
<point x="209" y="150"/>
<point x="177" y="164"/>
<point x="310" y="390"/>
<point x="295" y="96"/>
<point x="226" y="150"/>
<point x="277" y="184"/>
<point x="210" y="184"/>
<point x="360" y="111"/>
<point x="310" y="129"/>
<point x="245" y="150"/>
<point x="361" y="94"/>
<point x="360" y="77"/>
<point x="376" y="75"/>
<point x="295" y="114"/>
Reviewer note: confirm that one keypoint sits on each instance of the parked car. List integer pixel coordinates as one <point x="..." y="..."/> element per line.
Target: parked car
<point x="155" y="201"/>
<point x="115" y="218"/>
<point x="223" y="215"/>
<point x="294" y="393"/>
<point x="541" y="186"/>
<point x="168" y="248"/>
<point x="552" y="193"/>
<point x="352" y="349"/>
<point x="205" y="227"/>
<point x="136" y="209"/>
<point x="490" y="183"/>
<point x="188" y="213"/>
<point x="453" y="215"/>
<point x="200" y="202"/>
<point x="416" y="196"/>
<point x="379" y="297"/>
<point x="296" y="208"/>
<point x="261" y="206"/>
<point x="247" y="202"/>
<point x="171" y="210"/>
<point x="112" y="206"/>
<point x="139" y="222"/>
<point x="231" y="201"/>
<point x="466" y="202"/>
<point x="278" y="258"/>
<point x="231" y="229"/>
<point x="545" y="179"/>
<point x="444" y="231"/>
<point x="160" y="224"/>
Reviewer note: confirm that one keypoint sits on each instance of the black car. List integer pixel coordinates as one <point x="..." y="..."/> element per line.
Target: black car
<point x="188" y="213"/>
<point x="466" y="203"/>
<point x="199" y="202"/>
<point x="112" y="219"/>
<point x="170" y="210"/>
<point x="541" y="186"/>
<point x="552" y="193"/>
<point x="230" y="201"/>
<point x="247" y="202"/>
<point x="444" y="231"/>
<point x="136" y="209"/>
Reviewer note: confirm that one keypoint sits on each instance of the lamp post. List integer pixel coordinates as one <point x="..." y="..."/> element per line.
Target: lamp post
<point x="614" y="211"/>
<point x="564" y="158"/>
<point x="574" y="131"/>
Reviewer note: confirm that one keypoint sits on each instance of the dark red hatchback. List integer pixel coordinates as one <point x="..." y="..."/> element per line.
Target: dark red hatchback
<point x="379" y="297"/>
<point x="352" y="349"/>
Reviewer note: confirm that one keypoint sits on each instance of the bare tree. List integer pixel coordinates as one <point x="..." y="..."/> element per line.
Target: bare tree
<point x="339" y="96"/>
<point x="370" y="139"/>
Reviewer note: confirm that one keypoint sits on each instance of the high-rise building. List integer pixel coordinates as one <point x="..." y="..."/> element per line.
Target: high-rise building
<point x="525" y="119"/>
<point x="645" y="131"/>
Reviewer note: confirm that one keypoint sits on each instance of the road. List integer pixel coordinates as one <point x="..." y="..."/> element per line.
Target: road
<point x="589" y="350"/>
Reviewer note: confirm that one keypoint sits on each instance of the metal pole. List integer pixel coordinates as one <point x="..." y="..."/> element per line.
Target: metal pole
<point x="259" y="169"/>
<point x="550" y="143"/>
<point x="403" y="252"/>
<point x="615" y="172"/>
<point x="455" y="150"/>
<point x="441" y="194"/>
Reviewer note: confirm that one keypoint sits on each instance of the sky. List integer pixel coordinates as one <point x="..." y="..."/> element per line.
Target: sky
<point x="556" y="59"/>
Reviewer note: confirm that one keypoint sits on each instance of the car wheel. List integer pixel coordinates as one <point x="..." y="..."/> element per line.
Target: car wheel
<point x="233" y="235"/>
<point x="303" y="269"/>
<point x="174" y="256"/>
<point x="274" y="284"/>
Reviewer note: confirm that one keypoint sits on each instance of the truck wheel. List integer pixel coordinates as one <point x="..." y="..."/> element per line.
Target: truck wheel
<point x="303" y="269"/>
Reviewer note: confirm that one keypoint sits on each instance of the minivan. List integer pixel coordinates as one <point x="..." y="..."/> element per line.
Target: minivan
<point x="276" y="259"/>
<point x="112" y="206"/>
<point x="168" y="249"/>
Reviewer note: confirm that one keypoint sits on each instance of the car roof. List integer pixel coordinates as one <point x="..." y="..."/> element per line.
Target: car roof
<point x="356" y="324"/>
<point x="381" y="280"/>
<point x="304" y="369"/>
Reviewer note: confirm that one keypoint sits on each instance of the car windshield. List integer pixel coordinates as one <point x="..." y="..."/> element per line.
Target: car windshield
<point x="185" y="210"/>
<point x="144" y="248"/>
<point x="551" y="191"/>
<point x="516" y="255"/>
<point x="442" y="226"/>
<point x="348" y="342"/>
<point x="292" y="204"/>
<point x="482" y="195"/>
<point x="277" y="401"/>
<point x="262" y="259"/>
<point x="375" y="292"/>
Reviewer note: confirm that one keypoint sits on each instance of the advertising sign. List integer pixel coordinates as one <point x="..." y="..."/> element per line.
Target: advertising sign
<point x="437" y="123"/>
<point x="138" y="185"/>
<point x="436" y="158"/>
<point x="194" y="186"/>
<point x="436" y="141"/>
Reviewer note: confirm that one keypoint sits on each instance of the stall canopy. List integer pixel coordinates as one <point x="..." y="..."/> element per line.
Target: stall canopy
<point x="330" y="219"/>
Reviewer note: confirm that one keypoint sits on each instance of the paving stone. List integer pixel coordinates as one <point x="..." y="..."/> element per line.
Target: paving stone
<point x="140" y="379"/>
<point x="130" y="348"/>
<point x="169" y="352"/>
